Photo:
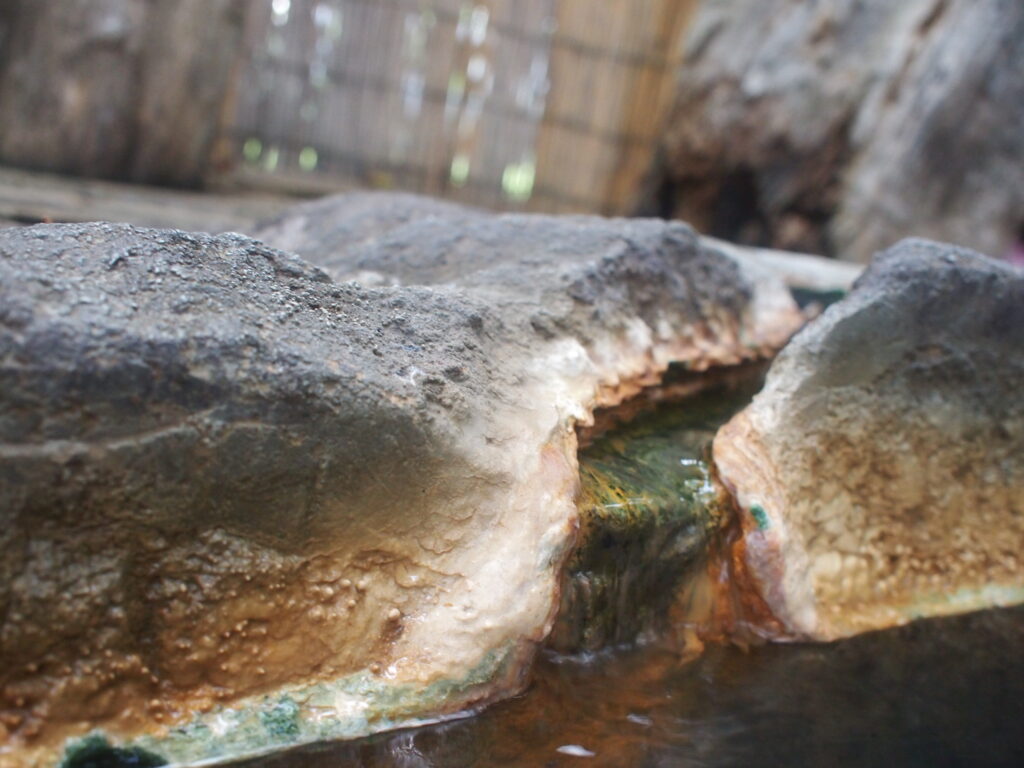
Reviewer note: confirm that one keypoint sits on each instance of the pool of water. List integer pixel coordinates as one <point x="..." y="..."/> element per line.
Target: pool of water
<point x="942" y="692"/>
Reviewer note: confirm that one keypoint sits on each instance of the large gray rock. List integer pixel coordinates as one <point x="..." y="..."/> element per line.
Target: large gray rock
<point x="880" y="473"/>
<point x="244" y="506"/>
<point x="400" y="238"/>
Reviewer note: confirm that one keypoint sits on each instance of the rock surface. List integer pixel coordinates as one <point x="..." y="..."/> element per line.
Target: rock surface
<point x="880" y="472"/>
<point x="244" y="506"/>
<point x="371" y="236"/>
<point x="839" y="127"/>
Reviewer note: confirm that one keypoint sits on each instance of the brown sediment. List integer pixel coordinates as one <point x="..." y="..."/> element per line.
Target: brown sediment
<point x="186" y="667"/>
<point x="740" y="613"/>
<point x="722" y="605"/>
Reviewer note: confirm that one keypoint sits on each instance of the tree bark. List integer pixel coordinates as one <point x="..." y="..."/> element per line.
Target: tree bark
<point x="121" y="89"/>
<point x="839" y="127"/>
<point x="191" y="46"/>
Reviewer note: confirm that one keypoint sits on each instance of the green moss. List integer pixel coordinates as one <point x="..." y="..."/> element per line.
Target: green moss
<point x="309" y="714"/>
<point x="760" y="517"/>
<point x="281" y="720"/>
<point x="94" y="751"/>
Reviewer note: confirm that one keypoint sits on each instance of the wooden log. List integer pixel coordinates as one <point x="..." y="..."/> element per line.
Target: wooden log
<point x="190" y="48"/>
<point x="801" y="271"/>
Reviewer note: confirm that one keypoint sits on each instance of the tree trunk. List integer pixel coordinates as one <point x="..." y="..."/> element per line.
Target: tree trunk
<point x="839" y="127"/>
<point x="122" y="89"/>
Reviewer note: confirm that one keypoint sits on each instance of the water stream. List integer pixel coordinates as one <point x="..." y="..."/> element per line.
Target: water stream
<point x="649" y="519"/>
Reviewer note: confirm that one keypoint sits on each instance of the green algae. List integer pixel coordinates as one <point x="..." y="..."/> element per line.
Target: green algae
<point x="648" y="512"/>
<point x="349" y="707"/>
<point x="760" y="517"/>
<point x="281" y="720"/>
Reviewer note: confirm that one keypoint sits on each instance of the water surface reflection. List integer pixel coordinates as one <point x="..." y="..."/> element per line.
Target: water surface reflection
<point x="944" y="692"/>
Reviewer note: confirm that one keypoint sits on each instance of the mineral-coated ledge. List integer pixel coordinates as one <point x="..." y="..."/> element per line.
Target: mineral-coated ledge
<point x="880" y="473"/>
<point x="245" y="505"/>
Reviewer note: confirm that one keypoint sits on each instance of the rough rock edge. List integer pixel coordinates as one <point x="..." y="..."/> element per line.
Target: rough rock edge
<point x="752" y="466"/>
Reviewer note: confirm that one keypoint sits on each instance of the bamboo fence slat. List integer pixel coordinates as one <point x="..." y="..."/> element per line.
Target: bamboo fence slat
<point x="513" y="104"/>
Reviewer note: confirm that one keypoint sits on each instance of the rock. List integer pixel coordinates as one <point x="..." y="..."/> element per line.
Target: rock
<point x="840" y="127"/>
<point x="377" y="231"/>
<point x="245" y="507"/>
<point x="880" y="473"/>
<point x="329" y="231"/>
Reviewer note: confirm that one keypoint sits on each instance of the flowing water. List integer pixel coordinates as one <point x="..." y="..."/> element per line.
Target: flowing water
<point x="947" y="692"/>
<point x="649" y="518"/>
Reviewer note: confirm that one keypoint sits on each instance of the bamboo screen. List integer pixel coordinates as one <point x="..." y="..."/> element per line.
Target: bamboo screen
<point x="548" y="105"/>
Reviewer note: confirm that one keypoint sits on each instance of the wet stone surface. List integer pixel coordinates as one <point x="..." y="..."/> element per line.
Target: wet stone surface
<point x="879" y="473"/>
